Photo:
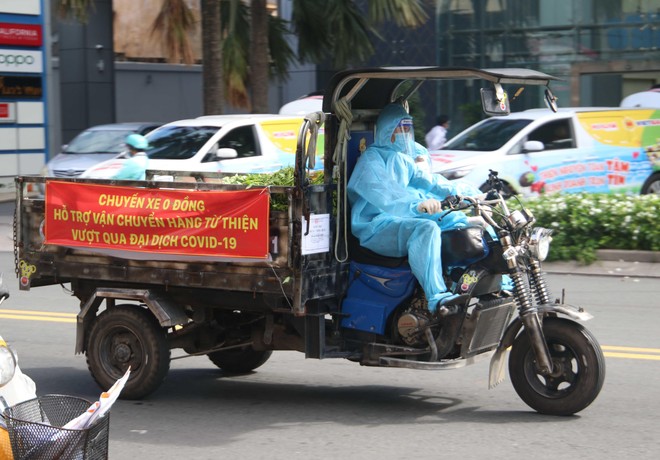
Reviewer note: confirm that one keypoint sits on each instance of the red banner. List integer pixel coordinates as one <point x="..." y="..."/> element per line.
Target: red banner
<point x="230" y="224"/>
<point x="20" y="34"/>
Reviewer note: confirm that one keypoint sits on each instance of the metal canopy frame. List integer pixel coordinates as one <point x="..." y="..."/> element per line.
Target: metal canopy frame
<point x="373" y="88"/>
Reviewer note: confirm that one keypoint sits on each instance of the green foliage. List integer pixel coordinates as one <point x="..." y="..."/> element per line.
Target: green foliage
<point x="284" y="177"/>
<point x="583" y="223"/>
<point x="78" y="9"/>
<point x="340" y="31"/>
<point x="471" y="113"/>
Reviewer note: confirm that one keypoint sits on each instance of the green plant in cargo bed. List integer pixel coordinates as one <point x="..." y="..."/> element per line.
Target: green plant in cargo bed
<point x="283" y="177"/>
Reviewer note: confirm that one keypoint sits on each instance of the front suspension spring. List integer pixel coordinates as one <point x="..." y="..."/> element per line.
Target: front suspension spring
<point x="539" y="283"/>
<point x="522" y="292"/>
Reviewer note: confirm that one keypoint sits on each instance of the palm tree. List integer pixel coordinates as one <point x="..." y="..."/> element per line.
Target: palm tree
<point x="173" y="24"/>
<point x="338" y="29"/>
<point x="243" y="46"/>
<point x="212" y="90"/>
<point x="259" y="57"/>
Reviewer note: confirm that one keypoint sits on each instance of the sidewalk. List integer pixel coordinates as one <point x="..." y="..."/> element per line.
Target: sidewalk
<point x="620" y="264"/>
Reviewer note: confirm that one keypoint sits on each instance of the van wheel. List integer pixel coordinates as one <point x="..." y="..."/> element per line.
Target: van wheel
<point x="652" y="185"/>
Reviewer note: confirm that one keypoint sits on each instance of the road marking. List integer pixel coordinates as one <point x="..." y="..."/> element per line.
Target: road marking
<point x="31" y="315"/>
<point x="631" y="356"/>
<point x="631" y="349"/>
<point x="652" y="354"/>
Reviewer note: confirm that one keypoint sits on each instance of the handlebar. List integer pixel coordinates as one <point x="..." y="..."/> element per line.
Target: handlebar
<point x="459" y="203"/>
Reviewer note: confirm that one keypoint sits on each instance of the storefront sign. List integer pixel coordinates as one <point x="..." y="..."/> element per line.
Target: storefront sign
<point x="226" y="224"/>
<point x="7" y="112"/>
<point x="20" y="87"/>
<point x="20" y="61"/>
<point x="20" y="6"/>
<point x="20" y="34"/>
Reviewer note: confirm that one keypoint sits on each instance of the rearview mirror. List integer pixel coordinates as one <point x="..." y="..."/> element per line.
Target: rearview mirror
<point x="493" y="106"/>
<point x="226" y="153"/>
<point x="550" y="100"/>
<point x="533" y="146"/>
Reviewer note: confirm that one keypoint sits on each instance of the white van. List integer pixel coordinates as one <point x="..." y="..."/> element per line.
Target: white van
<point x="220" y="143"/>
<point x="646" y="99"/>
<point x="573" y="150"/>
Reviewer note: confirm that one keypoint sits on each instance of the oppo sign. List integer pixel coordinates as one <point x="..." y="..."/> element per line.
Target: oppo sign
<point x="12" y="60"/>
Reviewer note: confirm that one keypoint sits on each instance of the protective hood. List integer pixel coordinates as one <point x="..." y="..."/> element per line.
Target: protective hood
<point x="387" y="122"/>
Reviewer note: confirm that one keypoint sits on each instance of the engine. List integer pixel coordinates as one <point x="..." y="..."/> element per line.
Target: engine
<point x="410" y="327"/>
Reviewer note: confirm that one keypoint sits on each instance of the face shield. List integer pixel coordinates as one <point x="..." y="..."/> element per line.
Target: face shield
<point x="403" y="137"/>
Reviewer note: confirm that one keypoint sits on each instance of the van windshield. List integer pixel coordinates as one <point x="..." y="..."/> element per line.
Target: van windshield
<point x="488" y="136"/>
<point x="178" y="142"/>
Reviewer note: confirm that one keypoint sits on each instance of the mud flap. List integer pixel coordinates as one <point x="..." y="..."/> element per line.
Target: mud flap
<point x="497" y="365"/>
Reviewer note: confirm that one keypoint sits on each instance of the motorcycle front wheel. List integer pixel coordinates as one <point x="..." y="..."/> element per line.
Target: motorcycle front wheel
<point x="578" y="369"/>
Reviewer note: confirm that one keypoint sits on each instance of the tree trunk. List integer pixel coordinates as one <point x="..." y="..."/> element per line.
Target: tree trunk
<point x="212" y="93"/>
<point x="259" y="56"/>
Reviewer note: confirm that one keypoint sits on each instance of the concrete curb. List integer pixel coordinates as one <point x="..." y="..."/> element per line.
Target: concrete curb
<point x="628" y="256"/>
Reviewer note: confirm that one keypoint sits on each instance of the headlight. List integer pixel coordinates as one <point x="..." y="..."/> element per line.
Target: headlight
<point x="539" y="243"/>
<point x="457" y="173"/>
<point x="7" y="363"/>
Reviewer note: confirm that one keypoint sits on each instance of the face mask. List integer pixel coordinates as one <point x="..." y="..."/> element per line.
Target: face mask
<point x="404" y="137"/>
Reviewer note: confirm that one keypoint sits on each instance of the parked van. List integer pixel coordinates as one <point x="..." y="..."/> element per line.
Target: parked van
<point x="220" y="143"/>
<point x="573" y="150"/>
<point x="646" y="99"/>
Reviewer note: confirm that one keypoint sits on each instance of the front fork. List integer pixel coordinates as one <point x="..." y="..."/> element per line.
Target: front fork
<point x="526" y="309"/>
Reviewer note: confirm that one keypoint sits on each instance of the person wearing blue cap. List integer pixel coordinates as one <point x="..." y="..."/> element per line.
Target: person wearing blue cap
<point x="135" y="166"/>
<point x="396" y="205"/>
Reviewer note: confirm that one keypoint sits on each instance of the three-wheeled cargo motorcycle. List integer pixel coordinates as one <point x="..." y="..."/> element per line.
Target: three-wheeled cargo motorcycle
<point x="191" y="261"/>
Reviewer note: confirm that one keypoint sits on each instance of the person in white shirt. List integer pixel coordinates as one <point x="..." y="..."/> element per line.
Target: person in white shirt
<point x="436" y="137"/>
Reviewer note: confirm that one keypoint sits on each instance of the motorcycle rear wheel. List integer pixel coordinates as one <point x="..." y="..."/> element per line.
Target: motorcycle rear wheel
<point x="578" y="369"/>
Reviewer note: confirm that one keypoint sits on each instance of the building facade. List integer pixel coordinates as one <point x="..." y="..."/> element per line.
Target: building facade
<point x="23" y="90"/>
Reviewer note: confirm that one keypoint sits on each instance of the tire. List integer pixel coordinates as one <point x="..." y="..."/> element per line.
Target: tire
<point x="239" y="361"/>
<point x="578" y="374"/>
<point x="652" y="185"/>
<point x="123" y="336"/>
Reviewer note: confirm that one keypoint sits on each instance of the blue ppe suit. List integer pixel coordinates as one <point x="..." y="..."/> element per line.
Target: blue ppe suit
<point x="134" y="168"/>
<point x="385" y="190"/>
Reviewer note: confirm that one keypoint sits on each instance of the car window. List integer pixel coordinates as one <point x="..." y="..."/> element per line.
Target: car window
<point x="147" y="129"/>
<point x="178" y="142"/>
<point x="99" y="141"/>
<point x="241" y="139"/>
<point x="554" y="135"/>
<point x="490" y="135"/>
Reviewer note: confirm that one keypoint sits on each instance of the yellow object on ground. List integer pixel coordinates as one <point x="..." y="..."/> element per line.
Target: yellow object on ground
<point x="5" y="446"/>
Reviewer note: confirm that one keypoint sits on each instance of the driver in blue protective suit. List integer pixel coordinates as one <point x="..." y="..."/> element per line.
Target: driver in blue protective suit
<point x="396" y="205"/>
<point x="135" y="166"/>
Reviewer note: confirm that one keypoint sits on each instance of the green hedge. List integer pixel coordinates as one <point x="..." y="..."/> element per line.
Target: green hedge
<point x="583" y="223"/>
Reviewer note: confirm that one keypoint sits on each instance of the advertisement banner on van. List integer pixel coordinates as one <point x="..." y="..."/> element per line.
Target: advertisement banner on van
<point x="226" y="224"/>
<point x="283" y="134"/>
